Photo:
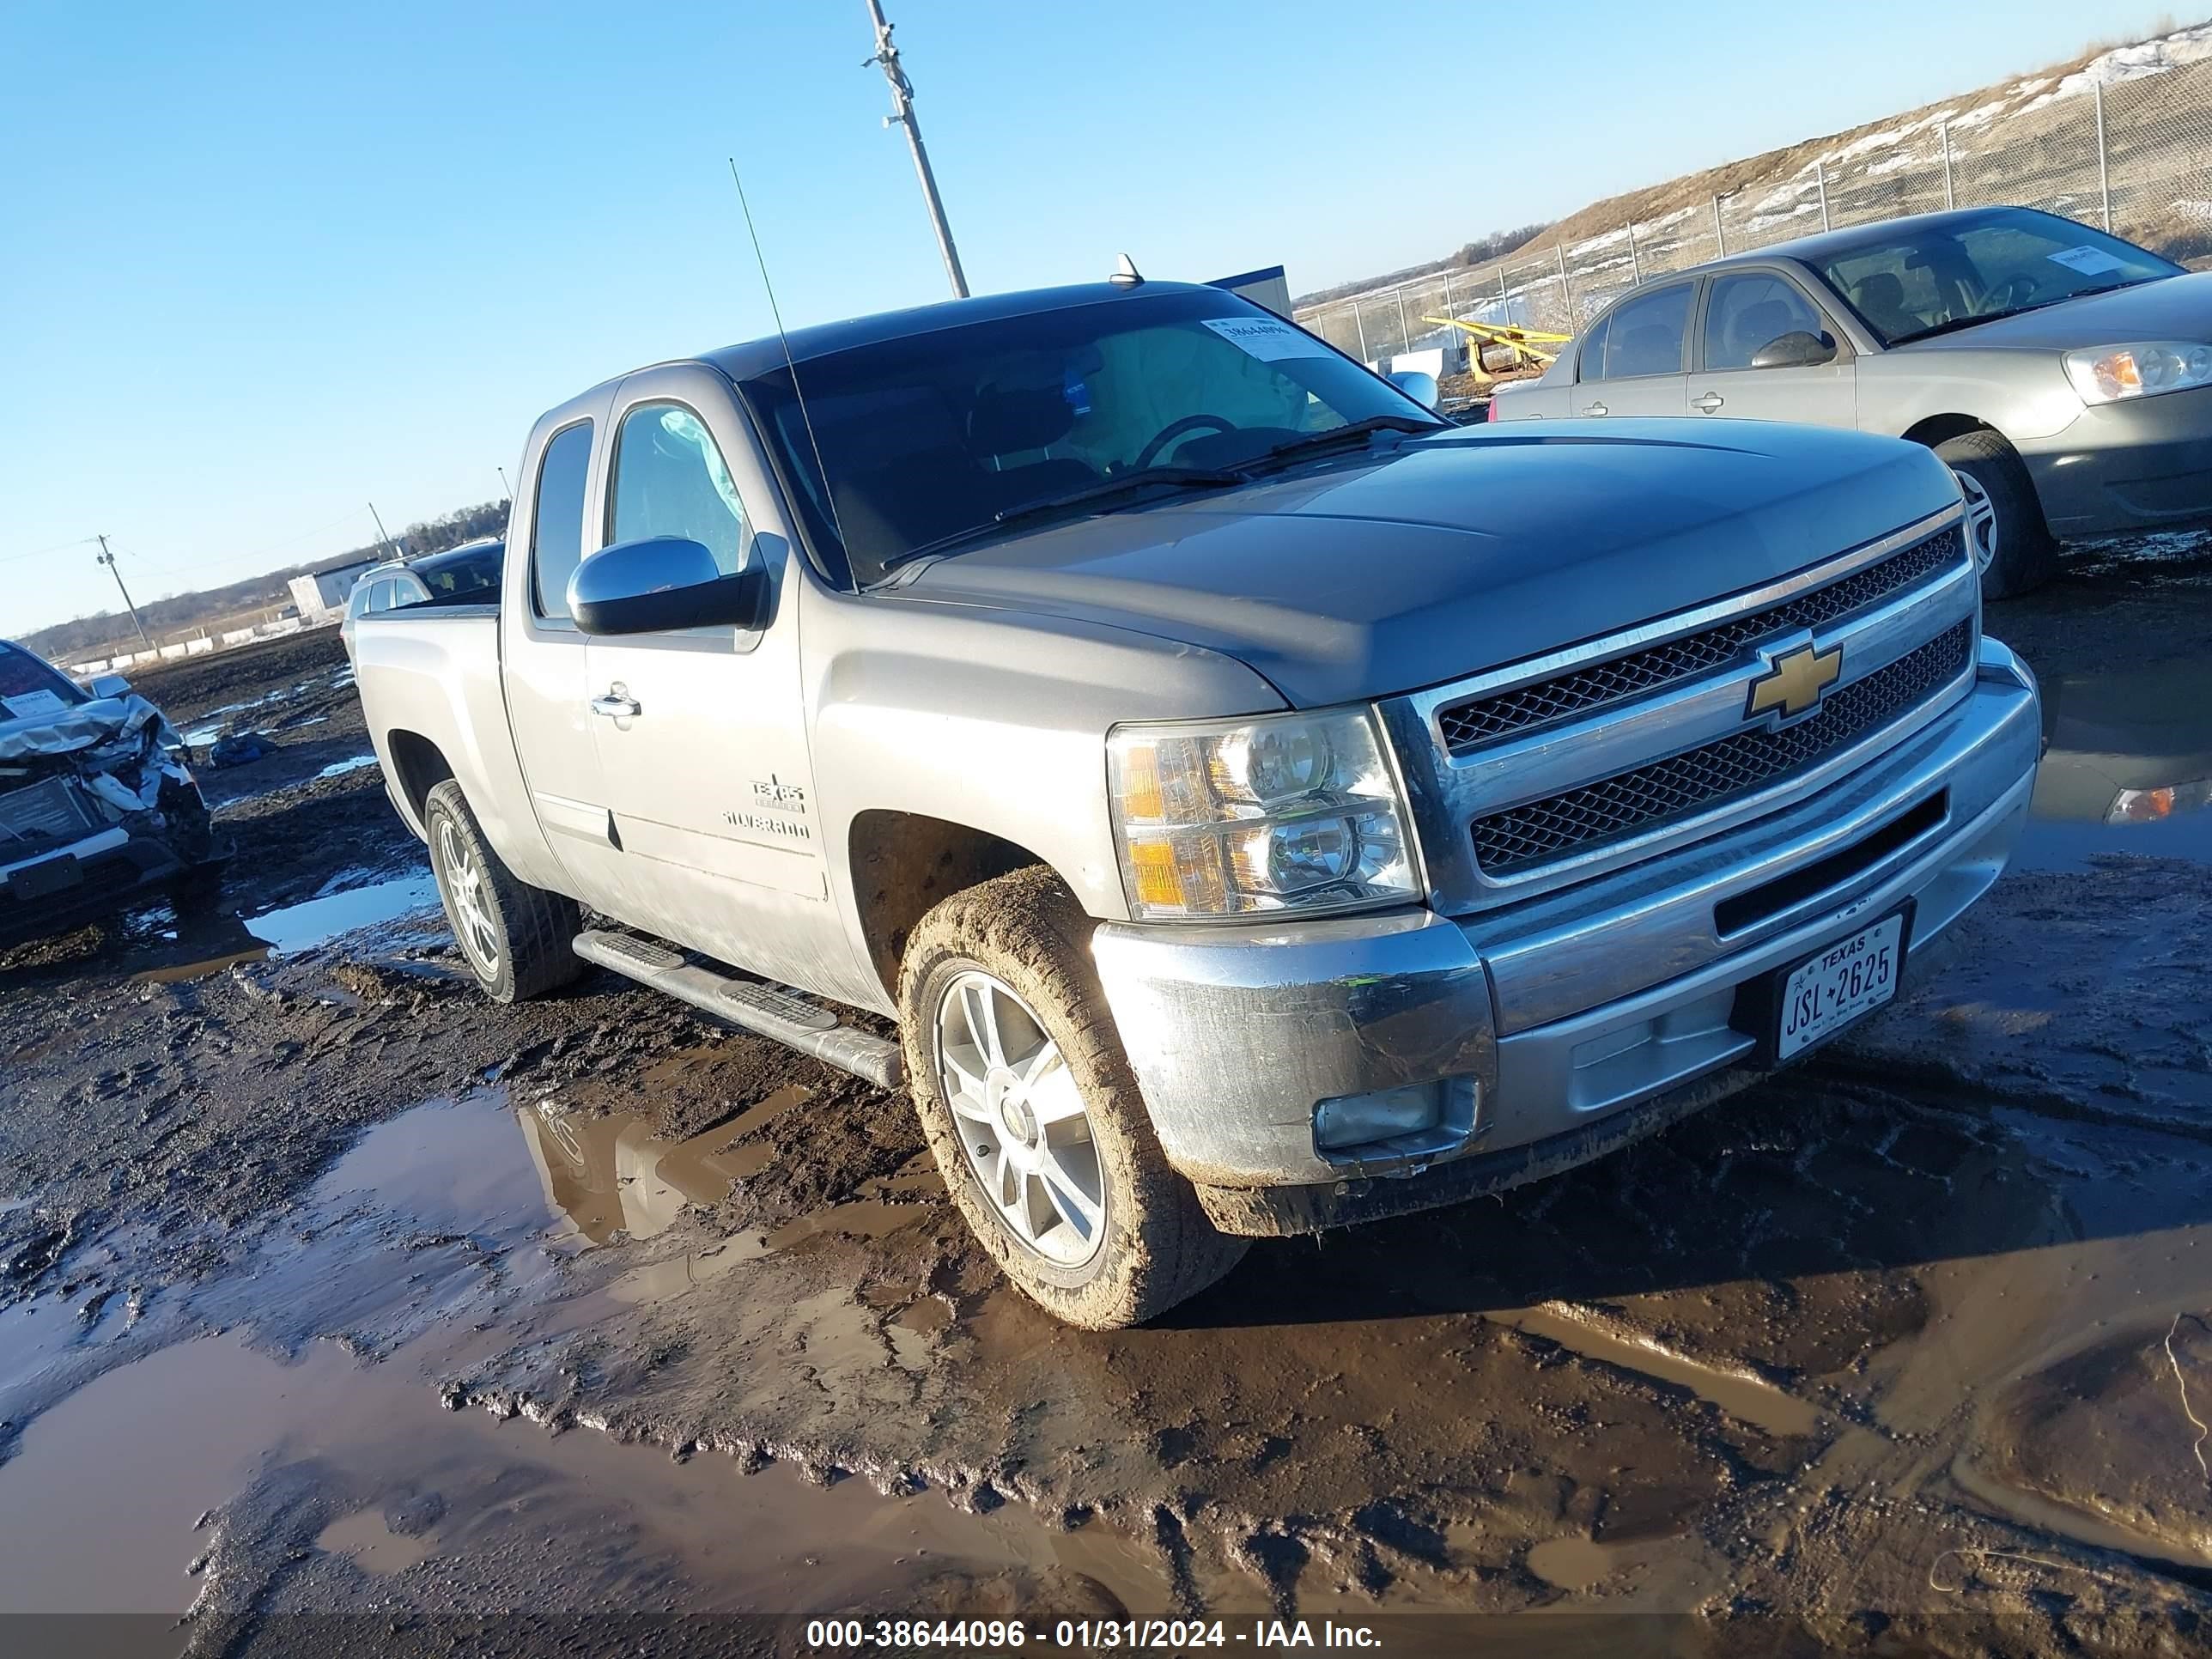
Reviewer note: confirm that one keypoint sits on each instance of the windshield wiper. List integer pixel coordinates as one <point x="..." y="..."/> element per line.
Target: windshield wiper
<point x="1314" y="442"/>
<point x="1189" y="477"/>
<point x="1952" y="326"/>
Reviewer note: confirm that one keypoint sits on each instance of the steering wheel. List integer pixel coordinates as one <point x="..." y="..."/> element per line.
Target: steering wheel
<point x="2020" y="289"/>
<point x="1168" y="434"/>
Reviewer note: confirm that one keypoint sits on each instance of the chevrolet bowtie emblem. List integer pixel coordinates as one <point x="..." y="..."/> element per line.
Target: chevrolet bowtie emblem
<point x="1793" y="684"/>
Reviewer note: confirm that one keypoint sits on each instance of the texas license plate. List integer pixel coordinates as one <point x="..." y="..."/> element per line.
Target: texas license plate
<point x="1822" y="995"/>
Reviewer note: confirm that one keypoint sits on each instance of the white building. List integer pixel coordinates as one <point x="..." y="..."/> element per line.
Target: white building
<point x="323" y="596"/>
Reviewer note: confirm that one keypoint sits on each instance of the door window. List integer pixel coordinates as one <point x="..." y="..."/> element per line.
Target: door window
<point x="557" y="518"/>
<point x="1645" y="336"/>
<point x="1747" y="312"/>
<point x="670" y="480"/>
<point x="1592" y="361"/>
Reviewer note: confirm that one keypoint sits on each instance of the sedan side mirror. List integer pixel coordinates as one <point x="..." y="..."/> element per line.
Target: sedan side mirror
<point x="1419" y="384"/>
<point x="1796" y="349"/>
<point x="660" y="583"/>
<point x="110" y="685"/>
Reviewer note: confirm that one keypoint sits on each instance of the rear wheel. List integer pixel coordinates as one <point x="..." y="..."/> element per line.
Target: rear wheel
<point x="1037" y="1124"/>
<point x="2012" y="547"/>
<point x="516" y="938"/>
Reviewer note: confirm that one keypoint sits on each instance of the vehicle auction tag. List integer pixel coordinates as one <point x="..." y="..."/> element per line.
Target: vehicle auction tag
<point x="2089" y="261"/>
<point x="1267" y="338"/>
<point x="32" y="704"/>
<point x="1826" y="993"/>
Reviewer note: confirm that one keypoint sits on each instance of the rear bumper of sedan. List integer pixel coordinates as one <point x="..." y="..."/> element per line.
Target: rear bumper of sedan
<point x="2144" y="464"/>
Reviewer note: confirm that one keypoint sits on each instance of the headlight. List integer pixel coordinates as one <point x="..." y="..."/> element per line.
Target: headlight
<point x="1285" y="812"/>
<point x="2105" y="375"/>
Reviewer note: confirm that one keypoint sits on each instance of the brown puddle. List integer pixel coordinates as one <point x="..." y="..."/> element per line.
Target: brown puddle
<point x="194" y="1426"/>
<point x="1744" y="1396"/>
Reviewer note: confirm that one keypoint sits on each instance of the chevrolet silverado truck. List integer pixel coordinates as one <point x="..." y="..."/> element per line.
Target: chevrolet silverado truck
<point x="98" y="810"/>
<point x="1258" y="805"/>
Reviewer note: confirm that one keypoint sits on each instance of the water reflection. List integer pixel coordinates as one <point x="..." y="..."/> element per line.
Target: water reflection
<point x="611" y="1174"/>
<point x="2129" y="768"/>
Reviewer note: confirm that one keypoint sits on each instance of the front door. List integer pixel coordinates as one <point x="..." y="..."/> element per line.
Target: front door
<point x="1747" y="312"/>
<point x="542" y="660"/>
<point x="1637" y="364"/>
<point x="701" y="732"/>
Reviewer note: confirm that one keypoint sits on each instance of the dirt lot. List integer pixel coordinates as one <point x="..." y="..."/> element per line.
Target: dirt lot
<point x="341" y="1310"/>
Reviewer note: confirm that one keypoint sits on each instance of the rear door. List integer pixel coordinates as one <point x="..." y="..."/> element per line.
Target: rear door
<point x="1745" y="311"/>
<point x="704" y="745"/>
<point x="1637" y="360"/>
<point x="541" y="662"/>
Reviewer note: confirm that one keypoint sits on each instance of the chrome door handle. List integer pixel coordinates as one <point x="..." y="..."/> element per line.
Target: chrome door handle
<point x="1708" y="403"/>
<point x="618" y="704"/>
<point x="1594" y="408"/>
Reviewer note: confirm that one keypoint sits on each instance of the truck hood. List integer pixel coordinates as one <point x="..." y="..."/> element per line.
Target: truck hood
<point x="2169" y="308"/>
<point x="1395" y="570"/>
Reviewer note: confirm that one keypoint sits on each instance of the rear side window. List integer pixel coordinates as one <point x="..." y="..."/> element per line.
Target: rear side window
<point x="1645" y="336"/>
<point x="1592" y="360"/>
<point x="557" y="518"/>
<point x="670" y="480"/>
<point x="1746" y="313"/>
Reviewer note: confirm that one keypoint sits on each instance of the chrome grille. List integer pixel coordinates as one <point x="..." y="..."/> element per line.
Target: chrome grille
<point x="1633" y="802"/>
<point x="1507" y="713"/>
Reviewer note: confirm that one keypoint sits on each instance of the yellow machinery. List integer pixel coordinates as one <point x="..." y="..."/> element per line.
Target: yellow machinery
<point x="1522" y="345"/>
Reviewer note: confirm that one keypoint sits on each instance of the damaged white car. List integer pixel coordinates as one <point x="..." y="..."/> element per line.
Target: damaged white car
<point x="98" y="810"/>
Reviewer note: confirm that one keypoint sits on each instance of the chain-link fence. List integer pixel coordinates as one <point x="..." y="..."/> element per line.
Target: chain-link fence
<point x="2134" y="157"/>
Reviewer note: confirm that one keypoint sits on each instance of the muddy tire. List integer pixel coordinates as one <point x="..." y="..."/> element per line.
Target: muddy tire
<point x="2013" y="545"/>
<point x="515" y="938"/>
<point x="1036" y="1121"/>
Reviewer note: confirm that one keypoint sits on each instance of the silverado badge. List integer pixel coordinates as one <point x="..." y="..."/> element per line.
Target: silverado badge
<point x="1795" y="683"/>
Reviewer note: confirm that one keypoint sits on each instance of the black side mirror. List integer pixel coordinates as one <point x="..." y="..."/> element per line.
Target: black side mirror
<point x="1796" y="349"/>
<point x="663" y="582"/>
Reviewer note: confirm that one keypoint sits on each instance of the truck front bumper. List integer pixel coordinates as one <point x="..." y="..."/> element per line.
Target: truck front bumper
<point x="1556" y="1028"/>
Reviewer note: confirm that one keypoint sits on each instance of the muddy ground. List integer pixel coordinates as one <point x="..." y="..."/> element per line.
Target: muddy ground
<point x="341" y="1310"/>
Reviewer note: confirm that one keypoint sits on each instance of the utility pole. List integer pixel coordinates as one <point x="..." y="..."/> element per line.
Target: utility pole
<point x="506" y="490"/>
<point x="108" y="559"/>
<point x="902" y="115"/>
<point x="390" y="551"/>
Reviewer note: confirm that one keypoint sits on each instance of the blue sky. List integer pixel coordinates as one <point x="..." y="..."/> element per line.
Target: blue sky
<point x="266" y="263"/>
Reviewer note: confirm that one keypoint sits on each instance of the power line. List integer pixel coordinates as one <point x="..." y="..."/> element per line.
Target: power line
<point x="82" y="541"/>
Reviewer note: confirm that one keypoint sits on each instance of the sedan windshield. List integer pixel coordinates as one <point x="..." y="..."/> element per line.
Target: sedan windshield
<point x="944" y="436"/>
<point x="28" y="687"/>
<point x="1934" y="279"/>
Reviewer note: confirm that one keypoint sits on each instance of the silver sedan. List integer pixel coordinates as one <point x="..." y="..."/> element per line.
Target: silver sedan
<point x="2066" y="375"/>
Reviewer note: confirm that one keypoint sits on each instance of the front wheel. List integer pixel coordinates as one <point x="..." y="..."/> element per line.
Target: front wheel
<point x="517" y="939"/>
<point x="1036" y="1122"/>
<point x="2013" y="548"/>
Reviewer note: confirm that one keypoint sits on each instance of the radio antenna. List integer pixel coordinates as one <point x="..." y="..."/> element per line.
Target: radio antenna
<point x="821" y="467"/>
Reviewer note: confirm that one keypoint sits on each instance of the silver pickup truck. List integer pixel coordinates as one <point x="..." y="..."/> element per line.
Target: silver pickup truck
<point x="1259" y="804"/>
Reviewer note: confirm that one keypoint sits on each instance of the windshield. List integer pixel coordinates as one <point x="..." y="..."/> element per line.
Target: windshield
<point x="927" y="437"/>
<point x="28" y="687"/>
<point x="1937" y="278"/>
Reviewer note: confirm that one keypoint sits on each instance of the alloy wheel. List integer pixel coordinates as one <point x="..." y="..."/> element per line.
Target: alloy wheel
<point x="1981" y="520"/>
<point x="465" y="886"/>
<point x="1021" y="1120"/>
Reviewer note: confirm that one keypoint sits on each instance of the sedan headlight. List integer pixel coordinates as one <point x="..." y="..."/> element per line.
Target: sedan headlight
<point x="2105" y="375"/>
<point x="1285" y="812"/>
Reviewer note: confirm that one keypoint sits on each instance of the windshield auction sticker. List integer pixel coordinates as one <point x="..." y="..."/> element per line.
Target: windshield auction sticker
<point x="2089" y="261"/>
<point x="1268" y="338"/>
<point x="31" y="704"/>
